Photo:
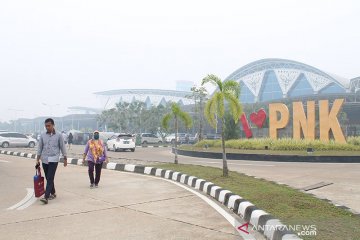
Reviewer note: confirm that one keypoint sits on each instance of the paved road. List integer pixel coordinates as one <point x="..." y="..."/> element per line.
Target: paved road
<point x="345" y="178"/>
<point x="125" y="206"/>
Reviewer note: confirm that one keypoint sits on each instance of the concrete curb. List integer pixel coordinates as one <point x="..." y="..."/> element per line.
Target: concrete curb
<point x="152" y="146"/>
<point x="271" y="158"/>
<point x="266" y="224"/>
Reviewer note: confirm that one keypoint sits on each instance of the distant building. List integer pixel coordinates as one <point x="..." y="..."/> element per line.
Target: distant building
<point x="151" y="97"/>
<point x="184" y="86"/>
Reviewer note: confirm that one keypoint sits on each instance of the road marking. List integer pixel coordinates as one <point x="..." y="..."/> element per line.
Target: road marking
<point x="240" y="164"/>
<point x="3" y="161"/>
<point x="211" y="203"/>
<point x="28" y="200"/>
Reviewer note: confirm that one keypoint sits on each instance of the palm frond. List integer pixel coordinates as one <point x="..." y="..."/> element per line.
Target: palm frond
<point x="214" y="80"/>
<point x="234" y="105"/>
<point x="232" y="87"/>
<point x="210" y="111"/>
<point x="220" y="111"/>
<point x="186" y="119"/>
<point x="175" y="108"/>
<point x="166" y="120"/>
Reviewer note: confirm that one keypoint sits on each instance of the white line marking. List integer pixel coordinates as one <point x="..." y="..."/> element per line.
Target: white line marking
<point x="27" y="201"/>
<point x="3" y="161"/>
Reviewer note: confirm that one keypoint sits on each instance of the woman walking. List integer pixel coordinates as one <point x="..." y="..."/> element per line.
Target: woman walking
<point x="70" y="139"/>
<point x="95" y="155"/>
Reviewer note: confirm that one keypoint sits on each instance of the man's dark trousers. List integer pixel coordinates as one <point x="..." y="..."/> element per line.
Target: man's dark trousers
<point x="50" y="170"/>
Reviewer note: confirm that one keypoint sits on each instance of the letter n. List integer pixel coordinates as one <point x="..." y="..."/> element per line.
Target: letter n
<point x="301" y="122"/>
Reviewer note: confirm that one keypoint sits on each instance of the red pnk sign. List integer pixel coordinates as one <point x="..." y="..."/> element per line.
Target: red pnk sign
<point x="258" y="118"/>
<point x="246" y="127"/>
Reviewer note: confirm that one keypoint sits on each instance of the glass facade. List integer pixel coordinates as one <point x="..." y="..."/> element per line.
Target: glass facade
<point x="333" y="88"/>
<point x="270" y="88"/>
<point x="301" y="87"/>
<point x="246" y="95"/>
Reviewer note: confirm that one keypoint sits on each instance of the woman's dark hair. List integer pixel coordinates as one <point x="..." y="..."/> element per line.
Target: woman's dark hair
<point x="50" y="120"/>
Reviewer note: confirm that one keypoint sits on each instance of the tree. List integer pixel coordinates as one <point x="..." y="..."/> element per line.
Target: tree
<point x="232" y="129"/>
<point x="178" y="115"/>
<point x="199" y="95"/>
<point x="226" y="92"/>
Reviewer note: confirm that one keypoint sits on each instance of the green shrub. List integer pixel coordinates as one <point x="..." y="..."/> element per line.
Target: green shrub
<point x="354" y="140"/>
<point x="284" y="144"/>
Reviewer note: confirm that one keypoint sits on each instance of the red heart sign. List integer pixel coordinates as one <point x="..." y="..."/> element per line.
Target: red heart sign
<point x="258" y="118"/>
<point x="246" y="127"/>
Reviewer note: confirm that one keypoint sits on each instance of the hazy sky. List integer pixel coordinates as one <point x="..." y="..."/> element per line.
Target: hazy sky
<point x="60" y="52"/>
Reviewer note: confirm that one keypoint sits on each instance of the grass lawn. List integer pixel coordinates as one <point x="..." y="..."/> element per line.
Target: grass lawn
<point x="289" y="205"/>
<point x="272" y="152"/>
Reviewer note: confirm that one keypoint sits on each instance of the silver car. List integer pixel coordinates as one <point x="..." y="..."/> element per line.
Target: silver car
<point x="14" y="139"/>
<point x="147" y="138"/>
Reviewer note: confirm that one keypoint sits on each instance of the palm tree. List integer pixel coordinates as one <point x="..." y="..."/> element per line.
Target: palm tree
<point x="229" y="92"/>
<point x="176" y="114"/>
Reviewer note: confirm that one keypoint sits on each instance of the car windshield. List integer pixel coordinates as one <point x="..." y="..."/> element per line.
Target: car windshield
<point x="124" y="136"/>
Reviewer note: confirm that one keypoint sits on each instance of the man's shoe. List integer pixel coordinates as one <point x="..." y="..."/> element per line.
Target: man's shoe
<point x="44" y="200"/>
<point x="92" y="185"/>
<point x="52" y="196"/>
<point x="96" y="185"/>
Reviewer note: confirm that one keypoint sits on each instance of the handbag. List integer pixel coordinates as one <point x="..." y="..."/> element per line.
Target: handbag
<point x="39" y="188"/>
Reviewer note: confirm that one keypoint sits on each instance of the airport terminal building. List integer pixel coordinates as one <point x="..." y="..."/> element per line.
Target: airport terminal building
<point x="280" y="80"/>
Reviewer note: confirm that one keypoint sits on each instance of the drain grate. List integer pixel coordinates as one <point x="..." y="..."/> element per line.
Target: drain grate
<point x="316" y="186"/>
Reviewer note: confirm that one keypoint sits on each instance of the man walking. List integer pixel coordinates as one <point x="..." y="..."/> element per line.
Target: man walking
<point x="50" y="145"/>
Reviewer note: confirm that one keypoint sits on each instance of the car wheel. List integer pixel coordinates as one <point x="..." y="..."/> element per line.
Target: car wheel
<point x="133" y="149"/>
<point x="114" y="148"/>
<point x="5" y="145"/>
<point x="172" y="141"/>
<point x="31" y="145"/>
<point x="160" y="142"/>
<point x="144" y="142"/>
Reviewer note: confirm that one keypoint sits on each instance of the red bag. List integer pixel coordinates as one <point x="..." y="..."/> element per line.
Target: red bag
<point x="38" y="183"/>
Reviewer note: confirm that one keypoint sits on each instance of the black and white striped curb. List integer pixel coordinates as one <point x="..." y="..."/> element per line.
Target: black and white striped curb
<point x="262" y="221"/>
<point x="153" y="146"/>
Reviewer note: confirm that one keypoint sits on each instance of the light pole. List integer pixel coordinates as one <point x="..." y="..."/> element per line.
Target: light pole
<point x="15" y="111"/>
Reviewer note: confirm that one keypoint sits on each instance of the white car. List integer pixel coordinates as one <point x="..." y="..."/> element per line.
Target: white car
<point x="181" y="138"/>
<point x="121" y="142"/>
<point x="14" y="139"/>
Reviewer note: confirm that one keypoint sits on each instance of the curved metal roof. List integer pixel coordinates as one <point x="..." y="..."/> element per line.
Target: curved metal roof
<point x="157" y="92"/>
<point x="355" y="84"/>
<point x="276" y="63"/>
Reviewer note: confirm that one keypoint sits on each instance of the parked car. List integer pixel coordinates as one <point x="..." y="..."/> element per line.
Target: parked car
<point x="212" y="136"/>
<point x="147" y="138"/>
<point x="170" y="138"/>
<point x="121" y="142"/>
<point x="14" y="139"/>
<point x="182" y="138"/>
<point x="193" y="138"/>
